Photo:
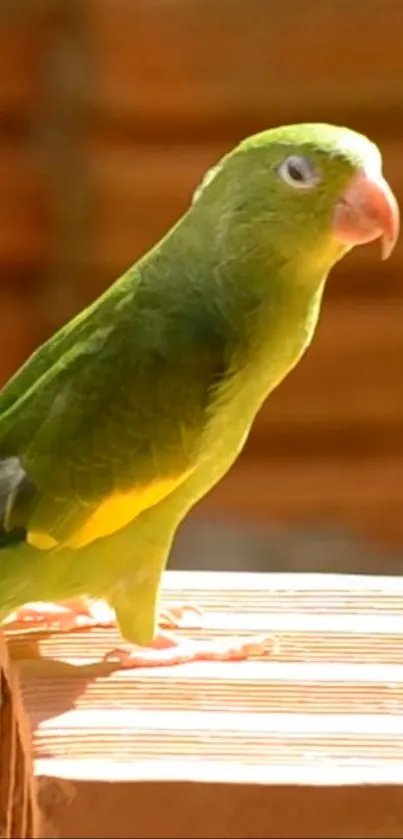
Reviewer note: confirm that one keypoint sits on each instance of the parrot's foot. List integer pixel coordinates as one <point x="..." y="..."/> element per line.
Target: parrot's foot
<point x="166" y="650"/>
<point x="61" y="617"/>
<point x="83" y="613"/>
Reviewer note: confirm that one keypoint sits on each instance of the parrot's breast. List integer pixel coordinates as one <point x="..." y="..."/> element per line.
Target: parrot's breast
<point x="282" y="342"/>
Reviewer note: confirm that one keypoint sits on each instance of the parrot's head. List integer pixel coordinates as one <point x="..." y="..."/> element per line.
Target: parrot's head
<point x="303" y="194"/>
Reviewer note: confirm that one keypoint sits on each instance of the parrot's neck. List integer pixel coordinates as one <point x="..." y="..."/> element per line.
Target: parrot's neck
<point x="261" y="306"/>
<point x="265" y="306"/>
<point x="278" y="329"/>
<point x="273" y="336"/>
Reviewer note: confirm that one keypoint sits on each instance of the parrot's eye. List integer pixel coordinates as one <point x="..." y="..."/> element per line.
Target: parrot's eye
<point x="298" y="172"/>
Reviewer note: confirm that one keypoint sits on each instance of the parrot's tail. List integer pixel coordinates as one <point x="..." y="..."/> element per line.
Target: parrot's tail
<point x="16" y="495"/>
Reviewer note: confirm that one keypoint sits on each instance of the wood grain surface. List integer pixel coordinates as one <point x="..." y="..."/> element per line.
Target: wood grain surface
<point x="325" y="708"/>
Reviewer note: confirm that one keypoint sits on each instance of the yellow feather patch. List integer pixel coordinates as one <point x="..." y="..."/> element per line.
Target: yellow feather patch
<point x="112" y="514"/>
<point x="41" y="541"/>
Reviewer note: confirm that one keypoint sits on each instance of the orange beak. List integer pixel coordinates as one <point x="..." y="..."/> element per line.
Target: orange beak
<point x="368" y="210"/>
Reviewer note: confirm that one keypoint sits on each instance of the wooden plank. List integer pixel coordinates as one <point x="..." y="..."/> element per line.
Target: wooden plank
<point x="24" y="219"/>
<point x="141" y="193"/>
<point x="325" y="708"/>
<point x="19" y="814"/>
<point x="360" y="493"/>
<point x="18" y="329"/>
<point x="350" y="376"/>
<point x="207" y="811"/>
<point x="267" y="62"/>
<point x="23" y="41"/>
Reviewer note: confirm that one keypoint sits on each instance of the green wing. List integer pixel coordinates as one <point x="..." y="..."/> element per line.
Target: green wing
<point x="111" y="428"/>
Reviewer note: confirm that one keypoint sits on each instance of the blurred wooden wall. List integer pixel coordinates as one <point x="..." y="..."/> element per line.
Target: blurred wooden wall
<point x="110" y="112"/>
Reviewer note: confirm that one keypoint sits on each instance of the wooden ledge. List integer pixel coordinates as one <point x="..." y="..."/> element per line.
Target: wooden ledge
<point x="326" y="709"/>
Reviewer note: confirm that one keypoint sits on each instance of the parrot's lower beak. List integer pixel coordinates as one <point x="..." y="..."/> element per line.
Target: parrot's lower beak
<point x="368" y="210"/>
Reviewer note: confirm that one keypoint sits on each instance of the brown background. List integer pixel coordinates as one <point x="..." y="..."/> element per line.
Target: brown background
<point x="110" y="112"/>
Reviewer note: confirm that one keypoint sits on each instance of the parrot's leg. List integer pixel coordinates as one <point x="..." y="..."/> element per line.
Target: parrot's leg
<point x="166" y="650"/>
<point x="142" y="624"/>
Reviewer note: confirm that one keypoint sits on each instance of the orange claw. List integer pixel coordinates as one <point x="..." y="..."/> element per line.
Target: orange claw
<point x="166" y="650"/>
<point x="181" y="616"/>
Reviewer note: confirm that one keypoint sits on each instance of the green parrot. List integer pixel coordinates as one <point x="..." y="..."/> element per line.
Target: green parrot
<point x="126" y="417"/>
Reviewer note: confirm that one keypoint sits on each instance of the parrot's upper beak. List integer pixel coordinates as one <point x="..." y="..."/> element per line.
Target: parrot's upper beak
<point x="367" y="210"/>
